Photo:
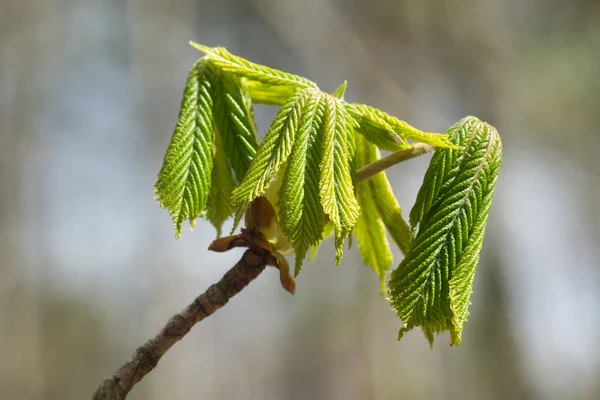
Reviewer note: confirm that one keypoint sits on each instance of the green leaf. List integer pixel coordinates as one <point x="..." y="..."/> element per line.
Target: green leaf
<point x="432" y="286"/>
<point x="374" y="118"/>
<point x="370" y="229"/>
<point x="235" y="123"/>
<point x="247" y="69"/>
<point x="301" y="216"/>
<point x="380" y="134"/>
<point x="273" y="152"/>
<point x="185" y="176"/>
<point x="219" y="207"/>
<point x="387" y="206"/>
<point x="336" y="188"/>
<point x="340" y="91"/>
<point x="267" y="94"/>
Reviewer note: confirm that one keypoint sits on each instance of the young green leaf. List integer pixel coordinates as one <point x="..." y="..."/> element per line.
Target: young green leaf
<point x="273" y="152"/>
<point x="267" y="94"/>
<point x="383" y="197"/>
<point x="375" y="118"/>
<point x="340" y="91"/>
<point x="218" y="207"/>
<point x="370" y="229"/>
<point x="390" y="211"/>
<point x="336" y="187"/>
<point x="380" y="134"/>
<point x="432" y="286"/>
<point x="185" y="176"/>
<point x="301" y="215"/>
<point x="235" y="123"/>
<point x="247" y="69"/>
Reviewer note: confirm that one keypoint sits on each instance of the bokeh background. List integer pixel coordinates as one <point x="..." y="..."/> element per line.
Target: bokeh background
<point x="89" y="267"/>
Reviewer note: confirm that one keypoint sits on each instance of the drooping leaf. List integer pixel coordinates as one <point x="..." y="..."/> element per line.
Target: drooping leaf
<point x="185" y="177"/>
<point x="234" y="120"/>
<point x="243" y="68"/>
<point x="273" y="152"/>
<point x="218" y="207"/>
<point x="375" y="118"/>
<point x="301" y="214"/>
<point x="432" y="286"/>
<point x="380" y="134"/>
<point x="387" y="206"/>
<point x="336" y="188"/>
<point x="370" y="230"/>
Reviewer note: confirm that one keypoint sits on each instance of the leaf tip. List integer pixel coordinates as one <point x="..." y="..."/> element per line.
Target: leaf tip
<point x="341" y="90"/>
<point x="199" y="47"/>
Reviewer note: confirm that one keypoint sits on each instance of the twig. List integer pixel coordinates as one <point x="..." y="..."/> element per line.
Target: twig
<point x="146" y="357"/>
<point x="384" y="163"/>
<point x="252" y="263"/>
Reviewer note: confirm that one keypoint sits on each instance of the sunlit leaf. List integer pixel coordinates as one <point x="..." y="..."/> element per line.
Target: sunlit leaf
<point x="432" y="286"/>
<point x="243" y="68"/>
<point x="336" y="188"/>
<point x="370" y="229"/>
<point x="301" y="213"/>
<point x="185" y="177"/>
<point x="234" y="120"/>
<point x="377" y="119"/>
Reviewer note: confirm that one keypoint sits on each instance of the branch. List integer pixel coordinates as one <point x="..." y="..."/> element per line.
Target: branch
<point x="252" y="263"/>
<point x="384" y="163"/>
<point x="147" y="356"/>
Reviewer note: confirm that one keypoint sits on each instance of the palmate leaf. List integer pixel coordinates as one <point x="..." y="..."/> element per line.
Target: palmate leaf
<point x="370" y="229"/>
<point x="432" y="286"/>
<point x="185" y="177"/>
<point x="235" y="123"/>
<point x="336" y="188"/>
<point x="374" y="119"/>
<point x="272" y="153"/>
<point x="243" y="68"/>
<point x="301" y="215"/>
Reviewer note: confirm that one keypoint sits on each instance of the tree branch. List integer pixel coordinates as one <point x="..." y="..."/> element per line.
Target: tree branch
<point x="384" y="163"/>
<point x="146" y="357"/>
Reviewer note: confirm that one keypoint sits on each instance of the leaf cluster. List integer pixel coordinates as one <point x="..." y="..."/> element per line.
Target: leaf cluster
<point x="306" y="166"/>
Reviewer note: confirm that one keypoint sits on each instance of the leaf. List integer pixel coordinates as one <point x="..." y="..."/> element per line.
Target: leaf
<point x="432" y="286"/>
<point x="185" y="176"/>
<point x="370" y="229"/>
<point x="380" y="134"/>
<point x="218" y="207"/>
<point x="234" y="120"/>
<point x="336" y="188"/>
<point x="272" y="153"/>
<point x="340" y="91"/>
<point x="387" y="206"/>
<point x="301" y="216"/>
<point x="267" y="94"/>
<point x="247" y="69"/>
<point x="375" y="118"/>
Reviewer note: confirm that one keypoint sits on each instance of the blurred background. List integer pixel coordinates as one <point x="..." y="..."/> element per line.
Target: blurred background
<point x="89" y="267"/>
